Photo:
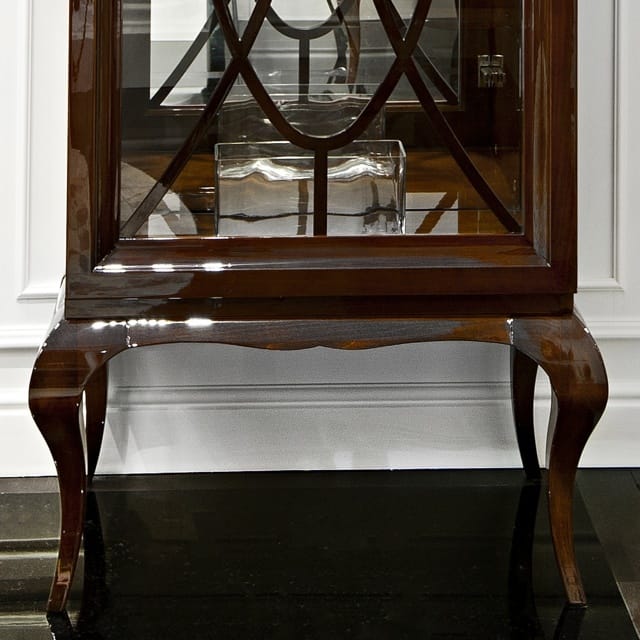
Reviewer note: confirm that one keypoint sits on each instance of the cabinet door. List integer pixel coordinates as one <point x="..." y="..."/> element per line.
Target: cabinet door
<point x="440" y="154"/>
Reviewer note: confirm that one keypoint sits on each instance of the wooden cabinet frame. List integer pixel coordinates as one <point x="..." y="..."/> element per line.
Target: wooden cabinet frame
<point x="343" y="292"/>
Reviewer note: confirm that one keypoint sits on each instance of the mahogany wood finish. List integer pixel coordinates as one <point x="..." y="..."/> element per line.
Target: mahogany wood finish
<point x="76" y="350"/>
<point x="515" y="288"/>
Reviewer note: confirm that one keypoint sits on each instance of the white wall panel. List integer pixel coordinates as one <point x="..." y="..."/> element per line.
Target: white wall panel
<point x="43" y="239"/>
<point x="597" y="65"/>
<point x="231" y="408"/>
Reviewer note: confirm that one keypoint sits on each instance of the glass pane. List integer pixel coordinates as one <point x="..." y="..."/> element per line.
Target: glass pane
<point x="321" y="79"/>
<point x="267" y="189"/>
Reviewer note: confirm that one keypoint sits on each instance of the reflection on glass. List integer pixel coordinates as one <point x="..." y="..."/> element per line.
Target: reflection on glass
<point x="322" y="110"/>
<point x="321" y="64"/>
<point x="267" y="189"/>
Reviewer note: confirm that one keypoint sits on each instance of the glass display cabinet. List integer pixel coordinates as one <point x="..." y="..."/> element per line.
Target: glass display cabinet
<point x="339" y="173"/>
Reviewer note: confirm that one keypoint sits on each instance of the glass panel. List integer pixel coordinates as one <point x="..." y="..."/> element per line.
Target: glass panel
<point x="322" y="110"/>
<point x="267" y="189"/>
<point x="320" y="79"/>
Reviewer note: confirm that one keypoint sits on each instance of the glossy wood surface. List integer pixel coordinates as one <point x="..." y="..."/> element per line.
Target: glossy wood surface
<point x="406" y="265"/>
<point x="512" y="288"/>
<point x="77" y="350"/>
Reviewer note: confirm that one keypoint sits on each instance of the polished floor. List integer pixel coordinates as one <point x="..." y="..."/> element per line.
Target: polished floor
<point x="439" y="555"/>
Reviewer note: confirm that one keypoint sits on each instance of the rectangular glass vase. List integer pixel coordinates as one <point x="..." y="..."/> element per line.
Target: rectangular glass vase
<point x="266" y="189"/>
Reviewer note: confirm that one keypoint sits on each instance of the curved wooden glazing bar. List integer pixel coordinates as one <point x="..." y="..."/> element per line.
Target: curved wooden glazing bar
<point x="74" y="356"/>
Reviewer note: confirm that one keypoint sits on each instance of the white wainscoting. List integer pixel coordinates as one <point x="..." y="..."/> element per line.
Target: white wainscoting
<point x="226" y="408"/>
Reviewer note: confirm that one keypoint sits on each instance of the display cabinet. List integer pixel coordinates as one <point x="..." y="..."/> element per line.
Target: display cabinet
<point x="348" y="174"/>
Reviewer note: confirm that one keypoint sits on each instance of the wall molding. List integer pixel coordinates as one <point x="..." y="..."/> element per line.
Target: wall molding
<point x="601" y="285"/>
<point x="255" y="396"/>
<point x="617" y="209"/>
<point x="13" y="400"/>
<point x="41" y="98"/>
<point x="132" y="399"/>
<point x="267" y="427"/>
<point x="31" y="292"/>
<point x="599" y="168"/>
<point x="23" y="149"/>
<point x="615" y="329"/>
<point x="22" y="337"/>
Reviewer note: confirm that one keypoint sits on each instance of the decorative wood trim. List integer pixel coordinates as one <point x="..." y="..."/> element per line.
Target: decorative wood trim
<point x="31" y="336"/>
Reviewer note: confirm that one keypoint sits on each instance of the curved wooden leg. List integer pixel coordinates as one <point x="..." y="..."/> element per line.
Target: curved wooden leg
<point x="72" y="353"/>
<point x="572" y="427"/>
<point x="523" y="379"/>
<point x="96" y="411"/>
<point x="564" y="348"/>
<point x="59" y="422"/>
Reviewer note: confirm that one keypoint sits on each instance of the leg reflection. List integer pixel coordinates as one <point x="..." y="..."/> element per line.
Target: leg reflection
<point x="99" y="616"/>
<point x="60" y="626"/>
<point x="570" y="623"/>
<point x="94" y="592"/>
<point x="523" y="614"/>
<point x="94" y="587"/>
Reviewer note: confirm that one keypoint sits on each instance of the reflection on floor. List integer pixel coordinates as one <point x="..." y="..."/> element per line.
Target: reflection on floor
<point x="440" y="555"/>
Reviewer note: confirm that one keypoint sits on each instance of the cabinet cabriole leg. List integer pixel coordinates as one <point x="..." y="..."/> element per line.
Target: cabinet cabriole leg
<point x="573" y="425"/>
<point x="74" y="352"/>
<point x="59" y="422"/>
<point x="564" y="348"/>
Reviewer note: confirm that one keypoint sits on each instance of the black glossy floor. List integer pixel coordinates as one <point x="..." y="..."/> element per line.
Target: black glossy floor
<point x="432" y="555"/>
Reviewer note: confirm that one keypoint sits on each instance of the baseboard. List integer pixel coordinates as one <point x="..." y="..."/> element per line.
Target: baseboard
<point x="359" y="426"/>
<point x="356" y="426"/>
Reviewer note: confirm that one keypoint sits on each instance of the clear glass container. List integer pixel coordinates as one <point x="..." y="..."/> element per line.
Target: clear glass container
<point x="267" y="189"/>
